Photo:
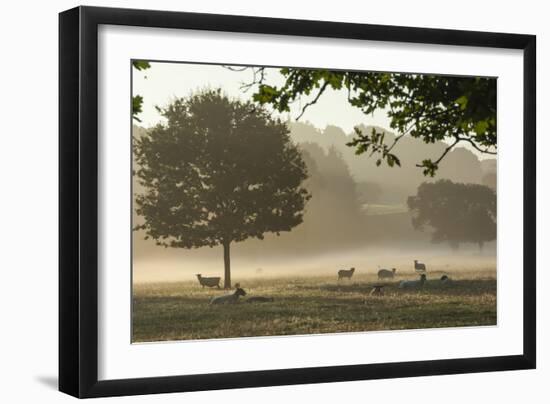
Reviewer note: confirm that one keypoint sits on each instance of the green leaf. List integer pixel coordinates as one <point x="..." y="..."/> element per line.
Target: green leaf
<point x="481" y="127"/>
<point x="141" y="64"/>
<point x="429" y="167"/>
<point x="462" y="101"/>
<point x="137" y="103"/>
<point x="393" y="160"/>
<point x="266" y="94"/>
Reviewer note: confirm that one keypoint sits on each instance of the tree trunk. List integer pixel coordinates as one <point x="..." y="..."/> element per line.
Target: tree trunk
<point x="227" y="266"/>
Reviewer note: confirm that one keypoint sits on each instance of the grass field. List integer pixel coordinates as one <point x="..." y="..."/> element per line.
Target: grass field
<point x="312" y="305"/>
<point x="372" y="209"/>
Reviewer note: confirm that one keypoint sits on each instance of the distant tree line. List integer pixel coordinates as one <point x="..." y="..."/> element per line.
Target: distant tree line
<point x="387" y="185"/>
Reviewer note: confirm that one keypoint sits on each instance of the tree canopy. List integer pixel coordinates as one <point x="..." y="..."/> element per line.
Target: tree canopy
<point x="428" y="107"/>
<point x="218" y="171"/>
<point x="455" y="213"/>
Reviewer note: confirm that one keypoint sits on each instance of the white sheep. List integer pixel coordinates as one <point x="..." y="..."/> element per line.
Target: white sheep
<point x="386" y="273"/>
<point x="231" y="298"/>
<point x="345" y="273"/>
<point x="413" y="284"/>
<point x="209" y="281"/>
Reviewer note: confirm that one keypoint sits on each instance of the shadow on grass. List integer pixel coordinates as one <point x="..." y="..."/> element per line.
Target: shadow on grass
<point x="461" y="286"/>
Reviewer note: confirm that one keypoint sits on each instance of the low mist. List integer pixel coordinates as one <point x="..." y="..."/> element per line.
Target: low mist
<point x="357" y="217"/>
<point x="184" y="265"/>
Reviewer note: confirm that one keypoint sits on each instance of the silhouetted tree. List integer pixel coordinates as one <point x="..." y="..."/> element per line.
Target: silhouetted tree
<point x="218" y="171"/>
<point x="456" y="213"/>
<point x="427" y="107"/>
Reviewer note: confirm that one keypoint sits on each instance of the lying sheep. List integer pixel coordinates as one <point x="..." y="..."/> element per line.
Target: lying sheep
<point x="386" y="273"/>
<point x="210" y="281"/>
<point x="413" y="284"/>
<point x="231" y="298"/>
<point x="345" y="273"/>
<point x="259" y="299"/>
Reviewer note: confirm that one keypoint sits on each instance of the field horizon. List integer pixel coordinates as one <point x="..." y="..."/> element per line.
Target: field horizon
<point x="183" y="265"/>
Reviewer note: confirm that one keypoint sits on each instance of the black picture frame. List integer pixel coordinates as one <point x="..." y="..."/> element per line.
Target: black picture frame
<point x="78" y="201"/>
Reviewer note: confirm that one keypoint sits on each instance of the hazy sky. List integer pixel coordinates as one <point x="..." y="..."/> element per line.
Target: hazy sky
<point x="165" y="81"/>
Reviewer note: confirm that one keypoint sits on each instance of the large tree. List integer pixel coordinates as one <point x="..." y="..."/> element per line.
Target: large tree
<point x="218" y="171"/>
<point x="457" y="110"/>
<point x="455" y="213"/>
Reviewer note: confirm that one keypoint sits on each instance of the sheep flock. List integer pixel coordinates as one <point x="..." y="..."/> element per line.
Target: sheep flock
<point x="383" y="274"/>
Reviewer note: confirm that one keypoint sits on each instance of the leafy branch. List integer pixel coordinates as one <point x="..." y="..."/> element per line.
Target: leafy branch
<point x="137" y="100"/>
<point x="428" y="107"/>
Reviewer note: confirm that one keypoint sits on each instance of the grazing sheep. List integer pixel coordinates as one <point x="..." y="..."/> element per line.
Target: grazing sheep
<point x="345" y="273"/>
<point x="231" y="298"/>
<point x="259" y="299"/>
<point x="386" y="273"/>
<point x="209" y="281"/>
<point x="419" y="267"/>
<point x="377" y="290"/>
<point x="413" y="284"/>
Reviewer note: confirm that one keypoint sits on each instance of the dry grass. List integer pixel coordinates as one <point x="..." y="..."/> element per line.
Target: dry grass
<point x="313" y="305"/>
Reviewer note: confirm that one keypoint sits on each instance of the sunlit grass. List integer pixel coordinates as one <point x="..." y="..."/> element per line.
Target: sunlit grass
<point x="313" y="305"/>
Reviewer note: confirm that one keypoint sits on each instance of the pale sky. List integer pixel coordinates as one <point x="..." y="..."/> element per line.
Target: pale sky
<point x="166" y="81"/>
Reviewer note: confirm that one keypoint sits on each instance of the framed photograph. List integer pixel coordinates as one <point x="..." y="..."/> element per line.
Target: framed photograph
<point x="251" y="201"/>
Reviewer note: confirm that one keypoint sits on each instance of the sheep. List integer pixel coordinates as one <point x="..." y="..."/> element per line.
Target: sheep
<point x="231" y="298"/>
<point x="345" y="273"/>
<point x="413" y="284"/>
<point x="209" y="281"/>
<point x="259" y="299"/>
<point x="419" y="266"/>
<point x="386" y="273"/>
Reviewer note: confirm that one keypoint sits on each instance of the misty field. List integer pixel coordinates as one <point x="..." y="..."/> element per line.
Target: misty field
<point x="313" y="305"/>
